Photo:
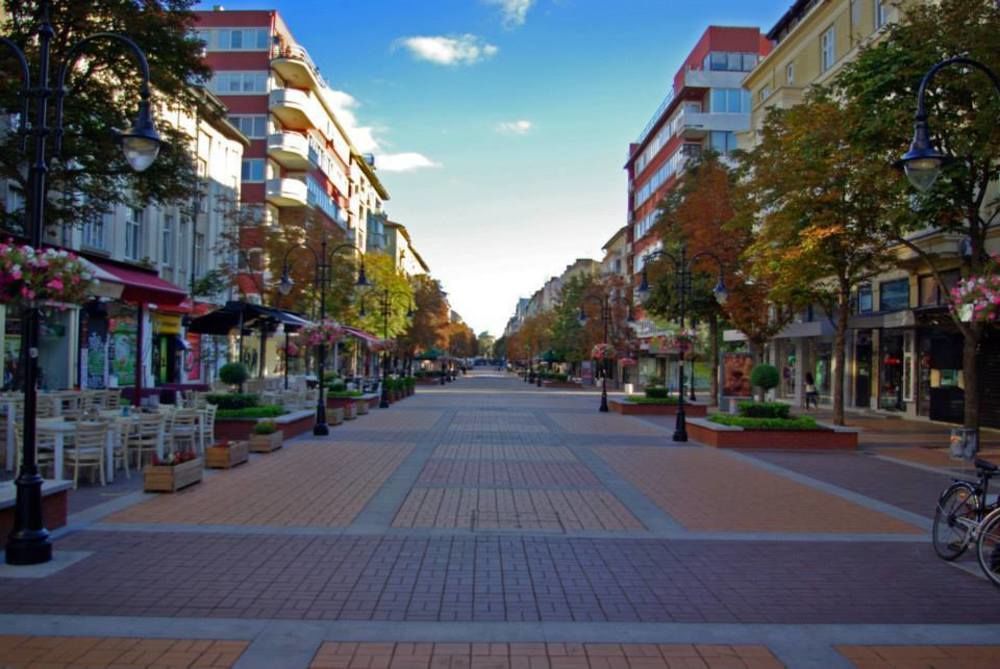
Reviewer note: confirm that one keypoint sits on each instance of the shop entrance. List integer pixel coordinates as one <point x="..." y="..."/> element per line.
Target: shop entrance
<point x="863" y="378"/>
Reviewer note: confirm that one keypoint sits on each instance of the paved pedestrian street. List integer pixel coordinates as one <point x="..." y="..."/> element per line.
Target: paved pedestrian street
<point x="490" y="524"/>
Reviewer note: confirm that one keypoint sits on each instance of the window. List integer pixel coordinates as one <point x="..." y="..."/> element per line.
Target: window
<point x="881" y="13"/>
<point x="827" y="49"/>
<point x="199" y="246"/>
<point x="865" y="299"/>
<point x="133" y="233"/>
<point x="894" y="295"/>
<point x="95" y="229"/>
<point x="238" y="83"/>
<point x="722" y="142"/>
<point x="253" y="126"/>
<point x="167" y="240"/>
<point x="790" y="74"/>
<point x="729" y="101"/>
<point x="931" y="294"/>
<point x="764" y="93"/>
<point x="235" y="39"/>
<point x="727" y="61"/>
<point x="855" y="13"/>
<point x="253" y="169"/>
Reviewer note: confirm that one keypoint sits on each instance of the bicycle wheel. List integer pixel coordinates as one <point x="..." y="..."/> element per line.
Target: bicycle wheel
<point x="988" y="547"/>
<point x="951" y="538"/>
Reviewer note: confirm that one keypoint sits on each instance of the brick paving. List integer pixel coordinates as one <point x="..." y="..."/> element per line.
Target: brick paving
<point x="46" y="652"/>
<point x="539" y="656"/>
<point x="708" y="490"/>
<point x="931" y="657"/>
<point x="489" y="473"/>
<point x="310" y="483"/>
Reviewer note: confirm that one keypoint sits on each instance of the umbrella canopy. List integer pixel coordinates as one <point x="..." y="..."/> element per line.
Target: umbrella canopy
<point x="429" y="354"/>
<point x="222" y="321"/>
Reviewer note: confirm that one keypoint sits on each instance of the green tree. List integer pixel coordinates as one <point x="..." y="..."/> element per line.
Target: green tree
<point x="484" y="344"/>
<point x="426" y="330"/>
<point x="92" y="174"/>
<point x="881" y="86"/>
<point x="383" y="276"/>
<point x="821" y="210"/>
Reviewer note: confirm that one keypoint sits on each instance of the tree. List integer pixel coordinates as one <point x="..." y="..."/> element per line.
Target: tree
<point x="383" y="276"/>
<point x="92" y="174"/>
<point x="484" y="344"/>
<point x="821" y="212"/>
<point x="427" y="329"/>
<point x="881" y="86"/>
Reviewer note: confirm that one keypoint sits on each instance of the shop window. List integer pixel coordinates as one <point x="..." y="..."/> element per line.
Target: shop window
<point x="931" y="294"/>
<point x="864" y="299"/>
<point x="894" y="295"/>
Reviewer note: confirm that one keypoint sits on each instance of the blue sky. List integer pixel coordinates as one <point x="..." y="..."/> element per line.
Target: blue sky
<point x="502" y="125"/>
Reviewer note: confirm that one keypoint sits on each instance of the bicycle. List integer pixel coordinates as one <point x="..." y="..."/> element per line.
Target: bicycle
<point x="962" y="510"/>
<point x="988" y="547"/>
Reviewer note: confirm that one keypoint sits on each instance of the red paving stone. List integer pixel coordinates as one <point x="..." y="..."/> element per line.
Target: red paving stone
<point x="926" y="657"/>
<point x="50" y="652"/>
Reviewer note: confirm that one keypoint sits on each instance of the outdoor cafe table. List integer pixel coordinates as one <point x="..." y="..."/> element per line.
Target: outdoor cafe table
<point x="59" y="428"/>
<point x="10" y="411"/>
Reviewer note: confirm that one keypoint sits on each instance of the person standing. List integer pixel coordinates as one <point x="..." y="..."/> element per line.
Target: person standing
<point x="811" y="394"/>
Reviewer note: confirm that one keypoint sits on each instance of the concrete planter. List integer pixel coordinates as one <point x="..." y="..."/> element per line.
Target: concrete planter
<point x="562" y="384"/>
<point x="54" y="505"/>
<point x="826" y="438"/>
<point x="636" y="409"/>
<point x="240" y="429"/>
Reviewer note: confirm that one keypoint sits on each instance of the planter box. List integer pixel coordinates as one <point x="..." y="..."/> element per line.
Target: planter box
<point x="240" y="429"/>
<point x="227" y="457"/>
<point x="635" y="409"/>
<point x="265" y="443"/>
<point x="54" y="505"/>
<point x="361" y="407"/>
<point x="562" y="384"/>
<point x="827" y="438"/>
<point x="428" y="380"/>
<point x="161" y="478"/>
<point x="335" y="416"/>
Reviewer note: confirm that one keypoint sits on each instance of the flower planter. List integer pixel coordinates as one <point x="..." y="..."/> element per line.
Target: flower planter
<point x="562" y="384"/>
<point x="227" y="456"/>
<point x="825" y="438"/>
<point x="361" y="407"/>
<point x="265" y="443"/>
<point x="627" y="408"/>
<point x="335" y="416"/>
<point x="166" y="478"/>
<point x="240" y="429"/>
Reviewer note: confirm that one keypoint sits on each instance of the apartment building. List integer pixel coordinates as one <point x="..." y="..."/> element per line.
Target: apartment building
<point x="904" y="353"/>
<point x="616" y="251"/>
<point x="301" y="160"/>
<point x="706" y="107"/>
<point x="399" y="246"/>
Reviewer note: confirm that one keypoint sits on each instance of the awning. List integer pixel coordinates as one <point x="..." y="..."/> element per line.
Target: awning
<point x="143" y="287"/>
<point x="107" y="285"/>
<point x="222" y="321"/>
<point x="367" y="337"/>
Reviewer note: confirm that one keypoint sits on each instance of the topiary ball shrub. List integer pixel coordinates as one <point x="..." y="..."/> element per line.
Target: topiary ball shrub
<point x="656" y="392"/>
<point x="234" y="373"/>
<point x="338" y="385"/>
<point x="765" y="377"/>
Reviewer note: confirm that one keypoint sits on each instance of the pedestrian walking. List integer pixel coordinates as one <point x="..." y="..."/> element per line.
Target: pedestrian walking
<point x="811" y="394"/>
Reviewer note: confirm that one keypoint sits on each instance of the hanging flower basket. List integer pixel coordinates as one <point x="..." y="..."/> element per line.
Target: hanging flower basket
<point x="683" y="340"/>
<point x="628" y="362"/>
<point x="29" y="276"/>
<point x="603" y="352"/>
<point x="977" y="298"/>
<point x="327" y="331"/>
<point x="290" y="351"/>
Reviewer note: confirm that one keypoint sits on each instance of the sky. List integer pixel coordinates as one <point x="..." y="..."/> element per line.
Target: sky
<point x="500" y="127"/>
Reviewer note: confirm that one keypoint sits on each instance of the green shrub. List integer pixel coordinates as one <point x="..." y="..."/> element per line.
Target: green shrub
<point x="644" y="399"/>
<point x="337" y="385"/>
<point x="234" y="373"/>
<point x="265" y="427"/>
<point x="765" y="376"/>
<point x="409" y="382"/>
<point x="233" y="400"/>
<point x="263" y="411"/>
<point x="344" y="394"/>
<point x="798" y="423"/>
<point x="656" y="392"/>
<point x="763" y="409"/>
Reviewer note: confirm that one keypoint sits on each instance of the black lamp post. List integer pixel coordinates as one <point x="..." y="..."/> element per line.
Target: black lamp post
<point x="29" y="542"/>
<point x="387" y="296"/>
<point x="923" y="162"/>
<point x="683" y="266"/>
<point x="605" y="319"/>
<point x="322" y="267"/>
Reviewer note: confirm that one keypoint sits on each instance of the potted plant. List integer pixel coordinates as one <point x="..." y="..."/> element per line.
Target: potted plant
<point x="266" y="437"/>
<point x="173" y="472"/>
<point x="227" y="454"/>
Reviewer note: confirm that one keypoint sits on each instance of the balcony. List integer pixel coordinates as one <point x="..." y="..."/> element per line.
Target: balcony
<point x="697" y="125"/>
<point x="287" y="192"/>
<point x="296" y="67"/>
<point x="291" y="106"/>
<point x="290" y="149"/>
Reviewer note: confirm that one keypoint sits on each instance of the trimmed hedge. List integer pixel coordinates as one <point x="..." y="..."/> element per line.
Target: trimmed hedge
<point x="764" y="409"/>
<point x="642" y="399"/>
<point x="263" y="411"/>
<point x="344" y="394"/>
<point x="798" y="423"/>
<point x="657" y="392"/>
<point x="229" y="401"/>
<point x="337" y="385"/>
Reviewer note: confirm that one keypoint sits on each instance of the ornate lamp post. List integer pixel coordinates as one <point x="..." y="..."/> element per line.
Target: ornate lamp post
<point x="386" y="300"/>
<point x="29" y="540"/>
<point x="683" y="267"/>
<point x="322" y="278"/>
<point x="605" y="303"/>
<point x="923" y="162"/>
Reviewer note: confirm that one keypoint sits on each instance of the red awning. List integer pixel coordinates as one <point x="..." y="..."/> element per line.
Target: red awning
<point x="144" y="287"/>
<point x="366" y="337"/>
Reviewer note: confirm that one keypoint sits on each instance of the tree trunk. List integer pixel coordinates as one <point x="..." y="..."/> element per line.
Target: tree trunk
<point x="713" y="333"/>
<point x="839" y="350"/>
<point x="970" y="372"/>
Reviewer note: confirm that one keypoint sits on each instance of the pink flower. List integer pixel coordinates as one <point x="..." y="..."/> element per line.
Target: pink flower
<point x="55" y="285"/>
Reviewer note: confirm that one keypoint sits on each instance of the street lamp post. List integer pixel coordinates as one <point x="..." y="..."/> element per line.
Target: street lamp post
<point x="29" y="541"/>
<point x="322" y="278"/>
<point x="683" y="266"/>
<point x="387" y="296"/>
<point x="605" y="303"/>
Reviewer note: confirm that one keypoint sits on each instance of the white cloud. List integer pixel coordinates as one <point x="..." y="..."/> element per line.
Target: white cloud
<point x="403" y="162"/>
<point x="521" y="127"/>
<point x="514" y="12"/>
<point x="455" y="50"/>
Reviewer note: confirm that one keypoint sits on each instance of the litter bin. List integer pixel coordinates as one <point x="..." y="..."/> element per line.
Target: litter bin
<point x="629" y="389"/>
<point x="964" y="443"/>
